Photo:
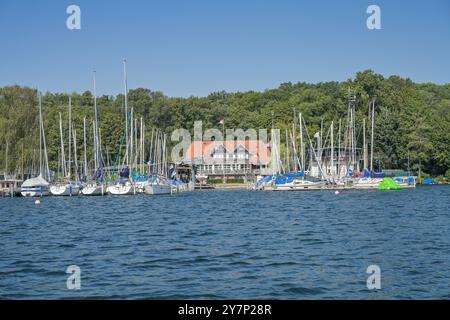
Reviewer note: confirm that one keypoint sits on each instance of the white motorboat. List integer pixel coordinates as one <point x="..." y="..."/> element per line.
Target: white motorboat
<point x="406" y="182"/>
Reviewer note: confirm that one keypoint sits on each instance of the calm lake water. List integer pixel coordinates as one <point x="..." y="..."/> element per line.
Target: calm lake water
<point x="229" y="244"/>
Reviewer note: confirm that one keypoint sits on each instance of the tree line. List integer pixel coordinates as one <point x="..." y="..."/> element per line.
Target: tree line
<point x="412" y="121"/>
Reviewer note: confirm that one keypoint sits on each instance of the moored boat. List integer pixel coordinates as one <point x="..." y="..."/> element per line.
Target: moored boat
<point x="367" y="183"/>
<point x="94" y="189"/>
<point x="406" y="182"/>
<point x="35" y="187"/>
<point x="154" y="189"/>
<point x="296" y="184"/>
<point x="38" y="186"/>
<point x="158" y="185"/>
<point x="65" y="189"/>
<point x="122" y="187"/>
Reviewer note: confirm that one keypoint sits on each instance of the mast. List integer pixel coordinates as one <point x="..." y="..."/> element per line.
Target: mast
<point x="85" y="151"/>
<point x="136" y="153"/>
<point x="94" y="145"/>
<point x="273" y="148"/>
<point x="75" y="153"/>
<point x="294" y="143"/>
<point x="100" y="153"/>
<point x="154" y="151"/>
<point x="371" y="142"/>
<point x="339" y="150"/>
<point x="351" y="131"/>
<point x="126" y="108"/>
<point x="302" y="151"/>
<point x="141" y="160"/>
<point x="40" y="133"/>
<point x="158" y="152"/>
<point x="96" y="139"/>
<point x="150" y="155"/>
<point x="164" y="156"/>
<point x="63" y="160"/>
<point x="332" y="149"/>
<point x="156" y="156"/>
<point x="364" y="145"/>
<point x="131" y="140"/>
<point x="313" y="153"/>
<point x="287" y="152"/>
<point x="44" y="156"/>
<point x="70" y="137"/>
<point x="352" y="143"/>
<point x="354" y="134"/>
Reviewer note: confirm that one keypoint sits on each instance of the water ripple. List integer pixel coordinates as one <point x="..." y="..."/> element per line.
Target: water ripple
<point x="231" y="244"/>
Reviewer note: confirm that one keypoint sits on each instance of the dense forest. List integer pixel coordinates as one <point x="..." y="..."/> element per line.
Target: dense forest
<point x="412" y="120"/>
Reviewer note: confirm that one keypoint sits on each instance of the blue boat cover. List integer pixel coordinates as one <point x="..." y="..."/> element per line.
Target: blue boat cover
<point x="368" y="174"/>
<point x="125" y="173"/>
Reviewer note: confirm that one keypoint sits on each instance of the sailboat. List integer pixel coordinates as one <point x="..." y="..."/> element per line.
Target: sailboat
<point x="296" y="180"/>
<point x="67" y="187"/>
<point x="158" y="183"/>
<point x="408" y="181"/>
<point x="96" y="186"/>
<point x="38" y="186"/>
<point x="370" y="180"/>
<point x="158" y="186"/>
<point x="125" y="185"/>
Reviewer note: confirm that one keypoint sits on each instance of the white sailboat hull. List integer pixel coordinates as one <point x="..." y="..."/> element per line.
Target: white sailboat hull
<point x="94" y="190"/>
<point x="140" y="186"/>
<point x="65" y="190"/>
<point x="122" y="190"/>
<point x="298" y="185"/>
<point x="34" y="192"/>
<point x="367" y="183"/>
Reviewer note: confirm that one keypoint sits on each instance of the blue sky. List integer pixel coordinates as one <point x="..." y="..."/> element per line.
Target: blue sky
<point x="194" y="47"/>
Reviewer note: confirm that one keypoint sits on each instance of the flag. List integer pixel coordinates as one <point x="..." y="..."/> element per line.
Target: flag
<point x="222" y="121"/>
<point x="317" y="135"/>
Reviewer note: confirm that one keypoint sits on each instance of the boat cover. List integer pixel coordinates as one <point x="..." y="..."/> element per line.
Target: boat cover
<point x="35" y="182"/>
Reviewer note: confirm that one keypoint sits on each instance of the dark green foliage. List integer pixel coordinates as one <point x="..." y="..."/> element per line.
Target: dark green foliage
<point x="412" y="120"/>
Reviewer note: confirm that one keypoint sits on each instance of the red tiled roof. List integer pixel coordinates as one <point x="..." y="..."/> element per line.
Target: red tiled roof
<point x="258" y="149"/>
